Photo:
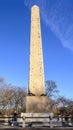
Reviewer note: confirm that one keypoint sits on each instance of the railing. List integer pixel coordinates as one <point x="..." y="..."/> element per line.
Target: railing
<point x="48" y="121"/>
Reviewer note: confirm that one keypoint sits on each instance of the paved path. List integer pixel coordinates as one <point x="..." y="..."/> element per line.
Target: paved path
<point x="43" y="128"/>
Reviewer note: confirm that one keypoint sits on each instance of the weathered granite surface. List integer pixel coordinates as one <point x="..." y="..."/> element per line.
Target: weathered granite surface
<point x="36" y="72"/>
<point x="37" y="104"/>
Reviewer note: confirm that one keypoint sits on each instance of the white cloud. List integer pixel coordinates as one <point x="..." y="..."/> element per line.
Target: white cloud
<point x="58" y="16"/>
<point x="60" y="20"/>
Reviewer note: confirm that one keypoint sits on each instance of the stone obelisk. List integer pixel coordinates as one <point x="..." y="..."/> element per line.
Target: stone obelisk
<point x="36" y="74"/>
<point x="36" y="100"/>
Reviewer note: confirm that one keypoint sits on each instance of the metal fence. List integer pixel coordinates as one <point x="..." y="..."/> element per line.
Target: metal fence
<point x="51" y="122"/>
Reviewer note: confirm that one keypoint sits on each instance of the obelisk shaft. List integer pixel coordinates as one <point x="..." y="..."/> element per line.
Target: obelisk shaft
<point x="36" y="73"/>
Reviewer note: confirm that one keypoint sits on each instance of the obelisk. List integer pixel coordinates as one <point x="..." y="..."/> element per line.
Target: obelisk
<point x="36" y="72"/>
<point x="36" y="99"/>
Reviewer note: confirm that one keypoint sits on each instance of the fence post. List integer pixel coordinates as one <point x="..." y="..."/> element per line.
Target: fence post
<point x="23" y="121"/>
<point x="69" y="121"/>
<point x="6" y="120"/>
<point x="51" y="123"/>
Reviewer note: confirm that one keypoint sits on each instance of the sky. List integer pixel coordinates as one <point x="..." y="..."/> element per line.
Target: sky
<point x="56" y="17"/>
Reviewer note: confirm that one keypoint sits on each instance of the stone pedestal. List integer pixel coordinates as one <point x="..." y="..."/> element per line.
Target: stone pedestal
<point x="35" y="104"/>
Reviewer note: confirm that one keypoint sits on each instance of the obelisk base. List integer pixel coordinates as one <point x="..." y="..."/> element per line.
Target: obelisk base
<point x="35" y="104"/>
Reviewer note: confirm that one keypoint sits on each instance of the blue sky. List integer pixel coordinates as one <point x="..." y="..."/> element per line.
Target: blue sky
<point x="57" y="41"/>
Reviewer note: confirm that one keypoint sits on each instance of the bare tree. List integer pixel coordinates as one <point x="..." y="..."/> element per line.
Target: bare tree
<point x="65" y="106"/>
<point x="11" y="98"/>
<point x="1" y="80"/>
<point x="19" y="99"/>
<point x="51" y="89"/>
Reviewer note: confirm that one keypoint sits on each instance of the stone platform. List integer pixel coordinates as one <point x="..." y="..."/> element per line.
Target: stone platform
<point x="30" y="117"/>
<point x="36" y="119"/>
